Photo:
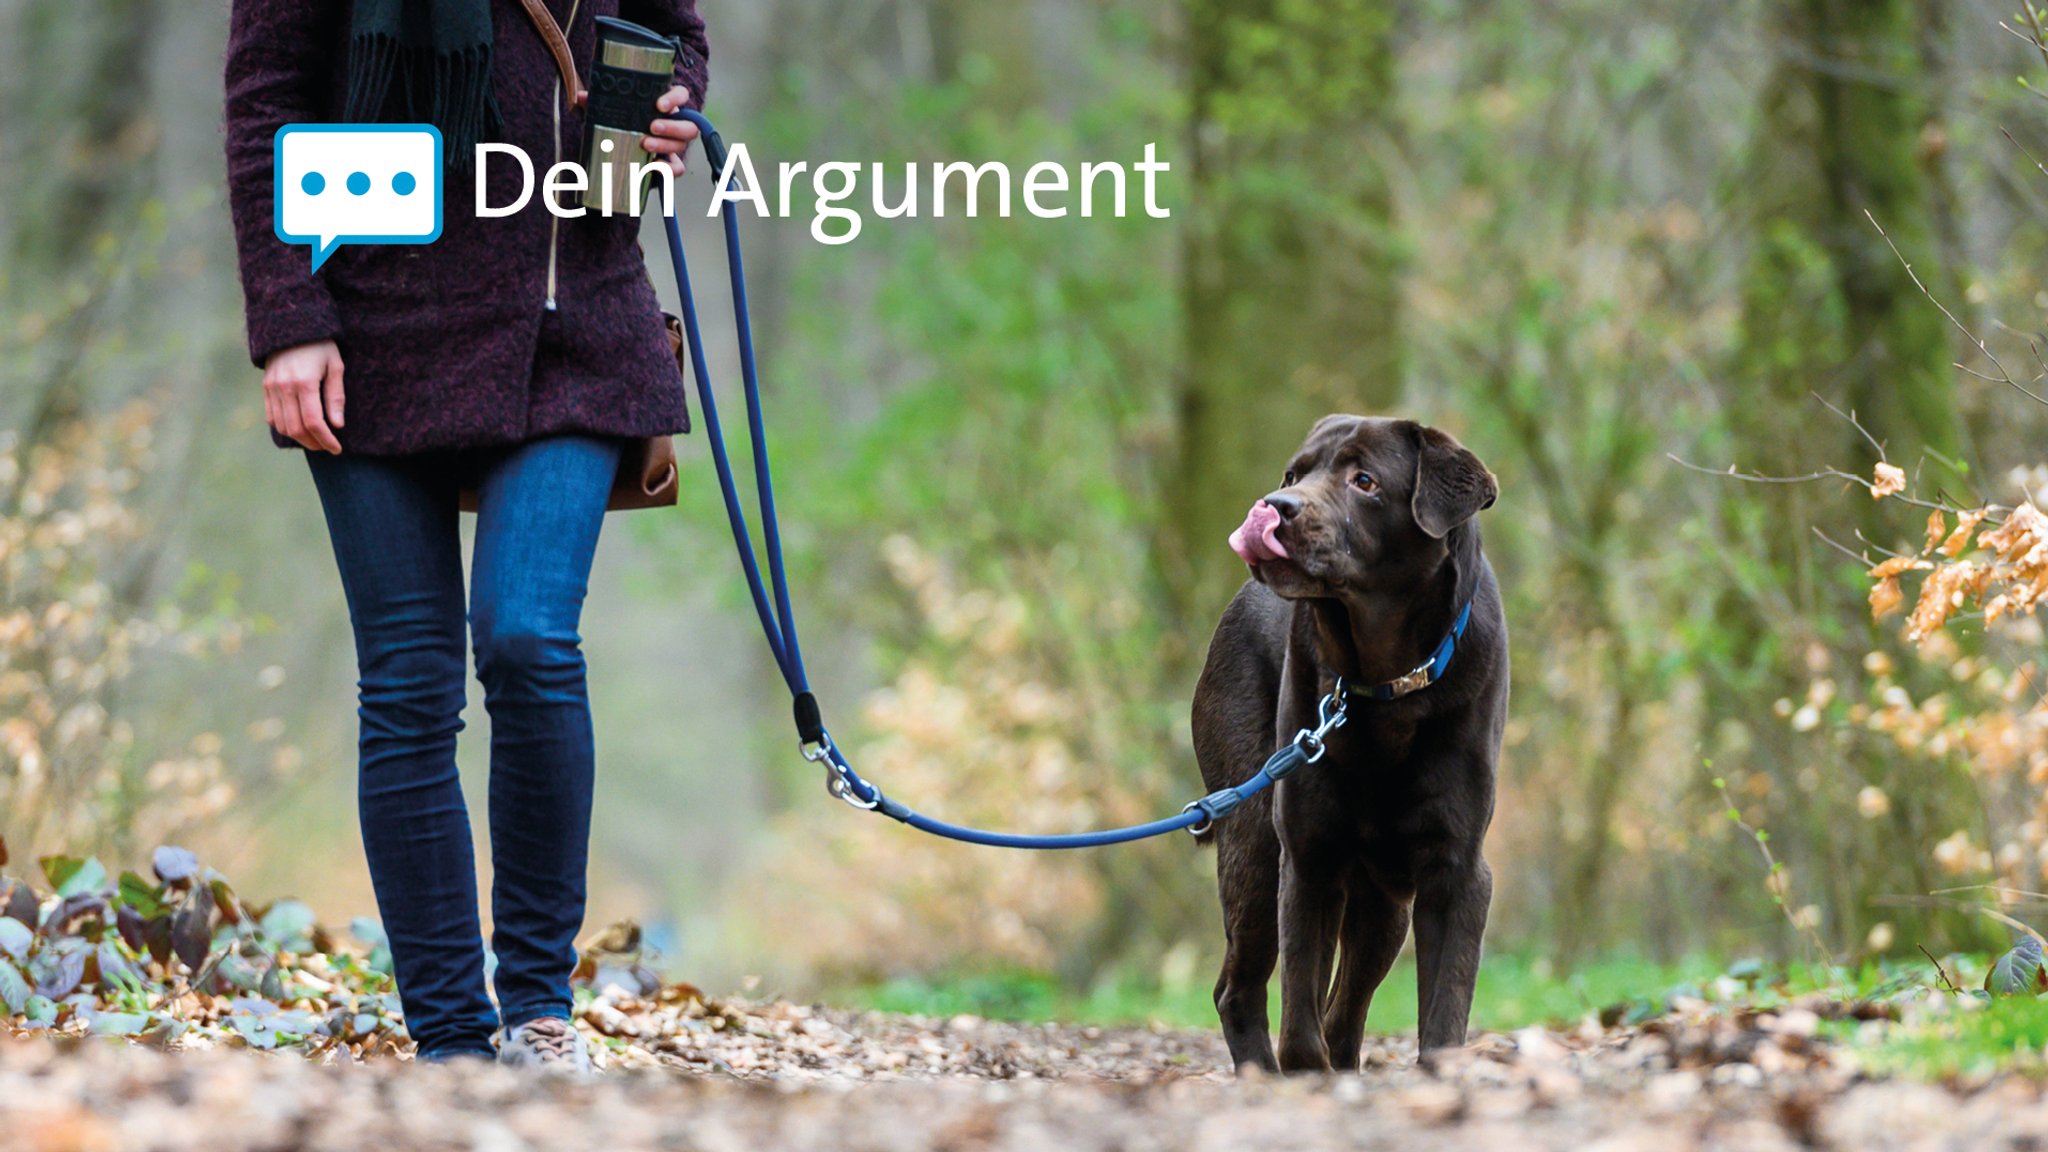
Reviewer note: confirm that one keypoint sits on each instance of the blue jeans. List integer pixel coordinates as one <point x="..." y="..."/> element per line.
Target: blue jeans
<point x="394" y="525"/>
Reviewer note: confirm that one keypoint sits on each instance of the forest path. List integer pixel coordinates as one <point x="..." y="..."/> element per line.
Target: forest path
<point x="780" y="1076"/>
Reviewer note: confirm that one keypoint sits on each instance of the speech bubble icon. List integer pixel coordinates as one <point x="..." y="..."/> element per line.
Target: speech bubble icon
<point x="357" y="184"/>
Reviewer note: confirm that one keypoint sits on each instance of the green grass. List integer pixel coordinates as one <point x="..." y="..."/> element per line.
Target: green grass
<point x="1969" y="1038"/>
<point x="1975" y="1037"/>
<point x="2004" y="1035"/>
<point x="1514" y="991"/>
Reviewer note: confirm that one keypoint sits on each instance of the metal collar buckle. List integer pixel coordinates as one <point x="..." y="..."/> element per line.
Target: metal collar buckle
<point x="1430" y="671"/>
<point x="1415" y="681"/>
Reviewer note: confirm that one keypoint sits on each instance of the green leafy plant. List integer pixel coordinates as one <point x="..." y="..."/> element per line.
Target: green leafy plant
<point x="2020" y="972"/>
<point x="177" y="954"/>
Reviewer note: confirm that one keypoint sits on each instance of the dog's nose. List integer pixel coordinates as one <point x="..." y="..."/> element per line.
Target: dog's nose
<point x="1285" y="503"/>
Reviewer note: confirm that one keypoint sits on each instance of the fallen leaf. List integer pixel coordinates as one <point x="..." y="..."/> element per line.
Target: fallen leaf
<point x="118" y="1023"/>
<point x="59" y="971"/>
<point x="16" y="938"/>
<point x="192" y="931"/>
<point x="14" y="989"/>
<point x="23" y="905"/>
<point x="173" y="864"/>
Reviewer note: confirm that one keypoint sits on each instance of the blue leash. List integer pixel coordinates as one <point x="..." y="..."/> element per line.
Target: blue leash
<point x="778" y="622"/>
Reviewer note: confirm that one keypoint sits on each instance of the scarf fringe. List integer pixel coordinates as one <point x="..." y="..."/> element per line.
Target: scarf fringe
<point x="459" y="99"/>
<point x="372" y="57"/>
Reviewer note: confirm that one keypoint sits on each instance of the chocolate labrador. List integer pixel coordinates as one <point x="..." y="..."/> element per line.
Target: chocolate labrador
<point x="1365" y="565"/>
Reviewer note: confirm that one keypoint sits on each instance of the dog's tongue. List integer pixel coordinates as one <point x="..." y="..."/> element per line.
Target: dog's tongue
<point x="1255" y="539"/>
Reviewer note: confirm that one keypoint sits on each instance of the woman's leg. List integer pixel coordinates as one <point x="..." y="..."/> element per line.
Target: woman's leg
<point x="393" y="524"/>
<point x="537" y="526"/>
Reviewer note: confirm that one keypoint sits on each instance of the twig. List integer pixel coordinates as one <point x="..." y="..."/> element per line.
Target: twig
<point x="1850" y="416"/>
<point x="1831" y="473"/>
<point x="1868" y="542"/>
<point x="2040" y="35"/>
<point x="1997" y="889"/>
<point x="2022" y="37"/>
<point x="1973" y="374"/>
<point x="1939" y="970"/>
<point x="2026" y="671"/>
<point x="2009" y="922"/>
<point x="1732" y="473"/>
<point x="1860" y="558"/>
<point x="1959" y="326"/>
<point x="1776" y="883"/>
<point x="1951" y="903"/>
<point x="2033" y="346"/>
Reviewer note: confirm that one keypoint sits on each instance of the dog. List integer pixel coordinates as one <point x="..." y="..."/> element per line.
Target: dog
<point x="1363" y="563"/>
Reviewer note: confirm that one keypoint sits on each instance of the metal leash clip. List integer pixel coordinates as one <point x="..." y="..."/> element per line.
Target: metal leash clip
<point x="1308" y="746"/>
<point x="821" y="751"/>
<point x="1329" y="718"/>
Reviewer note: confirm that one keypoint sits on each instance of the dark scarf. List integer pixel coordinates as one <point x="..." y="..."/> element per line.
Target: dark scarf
<point x="440" y="52"/>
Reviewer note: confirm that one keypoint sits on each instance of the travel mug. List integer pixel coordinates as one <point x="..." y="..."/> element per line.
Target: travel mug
<point x="635" y="65"/>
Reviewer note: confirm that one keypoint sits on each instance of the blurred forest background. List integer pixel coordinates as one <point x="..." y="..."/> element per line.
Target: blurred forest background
<point x="1584" y="236"/>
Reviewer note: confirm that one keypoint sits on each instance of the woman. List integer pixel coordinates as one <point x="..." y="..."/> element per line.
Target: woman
<point x="515" y="355"/>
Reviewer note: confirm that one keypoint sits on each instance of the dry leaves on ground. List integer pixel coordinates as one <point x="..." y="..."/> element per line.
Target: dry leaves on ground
<point x="806" y="1078"/>
<point x="139" y="1010"/>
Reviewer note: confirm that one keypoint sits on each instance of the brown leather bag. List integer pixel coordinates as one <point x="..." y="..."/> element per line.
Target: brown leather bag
<point x="647" y="468"/>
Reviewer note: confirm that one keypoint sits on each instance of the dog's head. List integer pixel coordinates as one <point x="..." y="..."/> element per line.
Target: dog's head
<point x="1366" y="507"/>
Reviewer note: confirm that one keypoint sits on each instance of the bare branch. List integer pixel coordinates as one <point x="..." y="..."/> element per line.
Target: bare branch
<point x="1850" y="416"/>
<point x="1732" y="473"/>
<point x="1966" y="370"/>
<point x="1776" y="881"/>
<point x="2040" y="35"/>
<point x="2024" y="152"/>
<point x="1760" y="478"/>
<point x="2000" y="890"/>
<point x="1862" y="558"/>
<point x="1939" y="970"/>
<point x="1868" y="542"/>
<point x="2009" y="922"/>
<point x="1959" y="326"/>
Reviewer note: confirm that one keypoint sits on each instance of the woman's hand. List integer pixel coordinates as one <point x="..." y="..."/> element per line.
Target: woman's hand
<point x="670" y="139"/>
<point x="302" y="394"/>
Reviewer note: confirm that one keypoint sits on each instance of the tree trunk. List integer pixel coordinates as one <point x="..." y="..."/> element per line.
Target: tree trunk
<point x="75" y="157"/>
<point x="1828" y="309"/>
<point x="1290" y="277"/>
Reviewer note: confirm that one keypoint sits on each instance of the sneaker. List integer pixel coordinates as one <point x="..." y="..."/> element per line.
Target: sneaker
<point x="550" y="1044"/>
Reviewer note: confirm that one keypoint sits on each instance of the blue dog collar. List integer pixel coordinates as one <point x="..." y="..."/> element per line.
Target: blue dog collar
<point x="1430" y="671"/>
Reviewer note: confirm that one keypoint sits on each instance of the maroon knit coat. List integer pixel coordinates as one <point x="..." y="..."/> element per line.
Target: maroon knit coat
<point x="502" y="331"/>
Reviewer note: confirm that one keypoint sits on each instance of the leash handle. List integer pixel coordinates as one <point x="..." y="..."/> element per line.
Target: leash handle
<point x="715" y="150"/>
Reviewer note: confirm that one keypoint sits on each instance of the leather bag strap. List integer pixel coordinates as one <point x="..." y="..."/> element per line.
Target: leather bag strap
<point x="558" y="45"/>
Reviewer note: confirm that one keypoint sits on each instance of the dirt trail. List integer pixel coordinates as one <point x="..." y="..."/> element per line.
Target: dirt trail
<point x="780" y="1076"/>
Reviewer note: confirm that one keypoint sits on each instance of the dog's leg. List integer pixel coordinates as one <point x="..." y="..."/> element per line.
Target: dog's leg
<point x="1311" y="905"/>
<point x="1375" y="925"/>
<point x="1248" y="881"/>
<point x="1450" y="920"/>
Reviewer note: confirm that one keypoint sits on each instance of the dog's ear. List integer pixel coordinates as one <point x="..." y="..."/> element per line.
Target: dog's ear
<point x="1451" y="485"/>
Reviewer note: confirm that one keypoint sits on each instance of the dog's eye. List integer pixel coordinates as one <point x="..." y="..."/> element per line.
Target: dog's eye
<point x="1288" y="480"/>
<point x="1364" y="482"/>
